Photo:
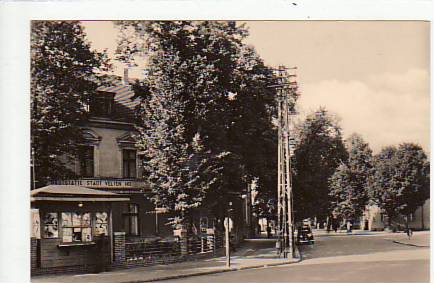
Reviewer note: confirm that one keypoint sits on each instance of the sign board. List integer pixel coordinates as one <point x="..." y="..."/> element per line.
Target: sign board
<point x="36" y="224"/>
<point x="102" y="183"/>
<point x="179" y="232"/>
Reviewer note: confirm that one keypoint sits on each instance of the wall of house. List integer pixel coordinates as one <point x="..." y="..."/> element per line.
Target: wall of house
<point x="421" y="218"/>
<point x="147" y="219"/>
<point x="108" y="152"/>
<point x="372" y="219"/>
<point x="108" y="159"/>
<point x="375" y="221"/>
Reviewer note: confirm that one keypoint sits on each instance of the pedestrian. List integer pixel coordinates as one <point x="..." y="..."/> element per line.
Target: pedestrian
<point x="409" y="233"/>
<point x="268" y="231"/>
<point x="349" y="226"/>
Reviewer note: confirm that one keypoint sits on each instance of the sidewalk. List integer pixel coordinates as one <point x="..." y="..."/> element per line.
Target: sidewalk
<point x="419" y="239"/>
<point x="253" y="254"/>
<point x="323" y="232"/>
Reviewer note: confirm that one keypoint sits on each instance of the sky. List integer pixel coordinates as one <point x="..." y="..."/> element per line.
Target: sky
<point x="373" y="75"/>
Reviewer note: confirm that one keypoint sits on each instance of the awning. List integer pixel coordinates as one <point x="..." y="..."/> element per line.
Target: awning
<point x="74" y="193"/>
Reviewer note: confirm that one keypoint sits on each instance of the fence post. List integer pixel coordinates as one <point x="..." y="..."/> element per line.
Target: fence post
<point x="119" y="248"/>
<point x="212" y="245"/>
<point x="183" y="240"/>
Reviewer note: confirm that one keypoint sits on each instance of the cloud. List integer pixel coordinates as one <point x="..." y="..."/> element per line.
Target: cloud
<point x="388" y="108"/>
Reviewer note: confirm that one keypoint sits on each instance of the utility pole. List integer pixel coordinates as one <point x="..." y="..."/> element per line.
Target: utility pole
<point x="32" y="153"/>
<point x="286" y="93"/>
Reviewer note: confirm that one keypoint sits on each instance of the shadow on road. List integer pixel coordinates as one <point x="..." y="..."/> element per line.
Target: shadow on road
<point x="333" y="245"/>
<point x="257" y="248"/>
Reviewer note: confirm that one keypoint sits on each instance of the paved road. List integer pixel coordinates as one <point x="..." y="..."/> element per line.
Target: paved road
<point x="342" y="245"/>
<point x="374" y="258"/>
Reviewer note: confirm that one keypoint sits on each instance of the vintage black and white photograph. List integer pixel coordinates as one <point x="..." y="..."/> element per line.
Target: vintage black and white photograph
<point x="229" y="151"/>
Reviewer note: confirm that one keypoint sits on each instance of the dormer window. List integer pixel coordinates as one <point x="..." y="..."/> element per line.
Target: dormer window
<point x="102" y="104"/>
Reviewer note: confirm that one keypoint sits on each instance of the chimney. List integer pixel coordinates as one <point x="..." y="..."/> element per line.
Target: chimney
<point x="125" y="76"/>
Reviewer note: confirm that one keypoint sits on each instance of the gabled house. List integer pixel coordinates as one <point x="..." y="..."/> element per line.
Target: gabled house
<point x="108" y="166"/>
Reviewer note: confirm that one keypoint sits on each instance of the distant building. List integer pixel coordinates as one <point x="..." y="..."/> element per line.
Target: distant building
<point x="374" y="220"/>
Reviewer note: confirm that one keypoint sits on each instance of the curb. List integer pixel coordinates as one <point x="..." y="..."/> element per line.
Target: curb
<point x="409" y="244"/>
<point x="216" y="271"/>
<point x="349" y="234"/>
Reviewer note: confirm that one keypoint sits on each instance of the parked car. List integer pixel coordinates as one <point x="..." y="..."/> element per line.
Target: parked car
<point x="304" y="235"/>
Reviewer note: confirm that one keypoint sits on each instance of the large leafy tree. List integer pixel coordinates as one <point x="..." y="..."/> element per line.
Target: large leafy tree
<point x="341" y="191"/>
<point x="201" y="81"/>
<point x="319" y="151"/>
<point x="63" y="71"/>
<point x="349" y="184"/>
<point x="401" y="179"/>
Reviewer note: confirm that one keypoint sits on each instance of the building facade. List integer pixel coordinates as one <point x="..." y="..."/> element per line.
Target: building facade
<point x="374" y="220"/>
<point x="109" y="160"/>
<point x="108" y="165"/>
<point x="105" y="213"/>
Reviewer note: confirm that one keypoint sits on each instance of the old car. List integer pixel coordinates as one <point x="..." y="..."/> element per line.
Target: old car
<point x="304" y="235"/>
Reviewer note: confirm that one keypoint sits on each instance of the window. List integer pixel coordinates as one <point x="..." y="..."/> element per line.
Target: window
<point x="102" y="104"/>
<point x="85" y="156"/>
<point x="76" y="227"/>
<point x="129" y="163"/>
<point x="51" y="228"/>
<point x="131" y="219"/>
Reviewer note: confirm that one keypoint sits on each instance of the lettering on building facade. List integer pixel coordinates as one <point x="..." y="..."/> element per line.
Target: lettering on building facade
<point x="102" y="183"/>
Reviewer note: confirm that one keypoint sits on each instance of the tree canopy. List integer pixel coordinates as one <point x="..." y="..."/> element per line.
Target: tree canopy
<point x="202" y="81"/>
<point x="319" y="151"/>
<point x="349" y="183"/>
<point x="63" y="71"/>
<point x="401" y="179"/>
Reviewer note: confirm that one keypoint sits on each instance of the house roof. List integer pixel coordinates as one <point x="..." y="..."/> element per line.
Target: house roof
<point x="73" y="193"/>
<point x="123" y="97"/>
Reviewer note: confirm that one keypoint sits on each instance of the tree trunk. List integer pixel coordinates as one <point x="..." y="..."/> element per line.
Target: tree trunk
<point x="421" y="216"/>
<point x="389" y="221"/>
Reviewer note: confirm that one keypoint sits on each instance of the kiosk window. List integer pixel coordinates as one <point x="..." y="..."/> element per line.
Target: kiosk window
<point x="76" y="227"/>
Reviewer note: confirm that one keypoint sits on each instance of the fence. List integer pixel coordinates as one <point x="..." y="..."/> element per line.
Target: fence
<point x="143" y="251"/>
